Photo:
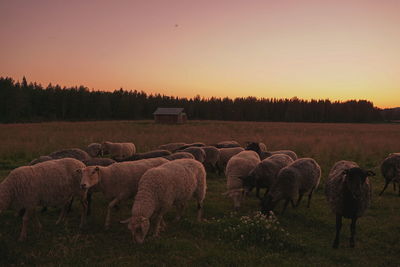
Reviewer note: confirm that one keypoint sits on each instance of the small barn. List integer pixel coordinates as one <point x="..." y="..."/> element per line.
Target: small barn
<point x="169" y="115"/>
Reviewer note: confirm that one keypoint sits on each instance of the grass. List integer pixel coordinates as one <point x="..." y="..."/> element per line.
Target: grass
<point x="189" y="242"/>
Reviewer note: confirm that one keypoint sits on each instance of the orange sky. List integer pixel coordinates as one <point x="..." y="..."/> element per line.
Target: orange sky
<point x="310" y="49"/>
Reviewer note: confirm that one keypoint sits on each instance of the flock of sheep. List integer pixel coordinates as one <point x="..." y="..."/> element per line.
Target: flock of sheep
<point x="175" y="173"/>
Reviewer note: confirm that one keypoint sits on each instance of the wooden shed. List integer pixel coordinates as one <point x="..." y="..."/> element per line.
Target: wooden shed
<point x="170" y="115"/>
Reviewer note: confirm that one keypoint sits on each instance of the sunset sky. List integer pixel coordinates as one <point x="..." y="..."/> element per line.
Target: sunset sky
<point x="310" y="49"/>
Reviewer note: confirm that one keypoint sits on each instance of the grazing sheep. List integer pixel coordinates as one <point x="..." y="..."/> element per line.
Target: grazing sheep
<point x="98" y="162"/>
<point x="348" y="192"/>
<point x="118" y="151"/>
<point x="224" y="156"/>
<point x="293" y="181"/>
<point x="50" y="183"/>
<point x="227" y="144"/>
<point x="171" y="184"/>
<point x="118" y="181"/>
<point x="259" y="148"/>
<point x="94" y="149"/>
<point x="40" y="159"/>
<point x="197" y="152"/>
<point x="197" y="144"/>
<point x="264" y="175"/>
<point x="212" y="157"/>
<point x="390" y="169"/>
<point x="74" y="153"/>
<point x="148" y="155"/>
<point x="172" y="147"/>
<point x="239" y="166"/>
<point x="179" y="155"/>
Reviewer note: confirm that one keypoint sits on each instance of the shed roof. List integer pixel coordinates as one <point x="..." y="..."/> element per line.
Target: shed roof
<point x="168" y="111"/>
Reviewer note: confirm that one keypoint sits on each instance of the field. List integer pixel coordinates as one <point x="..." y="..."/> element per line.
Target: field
<point x="200" y="244"/>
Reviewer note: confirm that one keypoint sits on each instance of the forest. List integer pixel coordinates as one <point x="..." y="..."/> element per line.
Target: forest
<point x="31" y="102"/>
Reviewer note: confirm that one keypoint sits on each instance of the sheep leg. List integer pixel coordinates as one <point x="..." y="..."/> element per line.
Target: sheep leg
<point x="156" y="224"/>
<point x="384" y="188"/>
<point x="309" y="198"/>
<point x="63" y="213"/>
<point x="180" y="208"/>
<point x="353" y="231"/>
<point x="338" y="228"/>
<point x="89" y="203"/>
<point x="38" y="224"/>
<point x="108" y="216"/>
<point x="84" y="213"/>
<point x="199" y="211"/>
<point x="25" y="222"/>
<point x="298" y="200"/>
<point x="285" y="205"/>
<point x="69" y="207"/>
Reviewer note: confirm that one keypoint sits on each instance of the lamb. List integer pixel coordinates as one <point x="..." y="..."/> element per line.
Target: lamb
<point x="179" y="155"/>
<point x="171" y="184"/>
<point x="118" y="181"/>
<point x="293" y="181"/>
<point x="224" y="156"/>
<point x="148" y="155"/>
<point x="390" y="169"/>
<point x="239" y="166"/>
<point x="94" y="149"/>
<point x="118" y="151"/>
<point x="260" y="147"/>
<point x="197" y="152"/>
<point x="348" y="192"/>
<point x="50" y="183"/>
<point x="172" y="147"/>
<point x="264" y="175"/>
<point x="212" y="157"/>
<point x="227" y="144"/>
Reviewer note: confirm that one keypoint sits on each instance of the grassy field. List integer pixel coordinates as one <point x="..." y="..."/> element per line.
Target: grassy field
<point x="201" y="244"/>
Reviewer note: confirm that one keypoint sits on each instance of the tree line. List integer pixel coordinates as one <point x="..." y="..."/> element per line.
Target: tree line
<point x="31" y="102"/>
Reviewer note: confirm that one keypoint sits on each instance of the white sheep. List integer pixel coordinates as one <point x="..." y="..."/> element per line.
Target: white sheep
<point x="227" y="144"/>
<point x="179" y="155"/>
<point x="50" y="183"/>
<point x="118" y="151"/>
<point x="239" y="166"/>
<point x="212" y="157"/>
<point x="171" y="184"/>
<point x="171" y="147"/>
<point x="224" y="156"/>
<point x="293" y="181"/>
<point x="74" y="153"/>
<point x="118" y="181"/>
<point x="390" y="169"/>
<point x="197" y="152"/>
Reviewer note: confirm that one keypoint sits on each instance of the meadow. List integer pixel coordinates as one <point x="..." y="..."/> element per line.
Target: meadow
<point x="200" y="244"/>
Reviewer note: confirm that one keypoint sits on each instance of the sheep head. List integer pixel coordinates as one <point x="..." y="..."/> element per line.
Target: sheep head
<point x="354" y="180"/>
<point x="90" y="176"/>
<point x="139" y="228"/>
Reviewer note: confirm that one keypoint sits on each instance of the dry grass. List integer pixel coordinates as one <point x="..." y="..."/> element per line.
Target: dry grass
<point x="190" y="243"/>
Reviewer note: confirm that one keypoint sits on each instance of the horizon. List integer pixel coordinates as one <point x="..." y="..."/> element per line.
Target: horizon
<point x="262" y="49"/>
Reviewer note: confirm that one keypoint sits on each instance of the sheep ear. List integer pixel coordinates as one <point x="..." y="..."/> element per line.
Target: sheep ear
<point x="370" y="173"/>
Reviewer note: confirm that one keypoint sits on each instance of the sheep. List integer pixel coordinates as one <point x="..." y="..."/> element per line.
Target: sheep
<point x="197" y="152"/>
<point x="227" y="144"/>
<point x="390" y="169"/>
<point x="179" y="155"/>
<point x="224" y="155"/>
<point x="348" y="192"/>
<point x="98" y="162"/>
<point x="171" y="184"/>
<point x="293" y="181"/>
<point x="259" y="147"/>
<point x="265" y="173"/>
<point x="50" y="183"/>
<point x="40" y="159"/>
<point x="197" y="144"/>
<point x="147" y="155"/>
<point x="118" y="181"/>
<point x="74" y="153"/>
<point x="118" y="151"/>
<point x="212" y="157"/>
<point x="239" y="166"/>
<point x="172" y="147"/>
<point x="94" y="149"/>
